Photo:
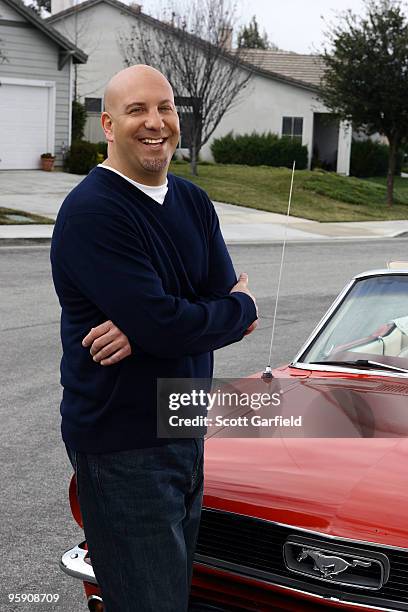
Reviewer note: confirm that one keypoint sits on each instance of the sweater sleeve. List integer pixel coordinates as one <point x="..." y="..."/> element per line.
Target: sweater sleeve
<point x="106" y="261"/>
<point x="221" y="273"/>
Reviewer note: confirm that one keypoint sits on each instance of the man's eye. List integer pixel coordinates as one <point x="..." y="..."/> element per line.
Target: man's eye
<point x="136" y="110"/>
<point x="165" y="108"/>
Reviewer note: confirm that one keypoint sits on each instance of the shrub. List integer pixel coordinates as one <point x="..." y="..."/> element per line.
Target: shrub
<point x="369" y="158"/>
<point x="81" y="157"/>
<point x="78" y="121"/>
<point x="102" y="147"/>
<point x="259" y="150"/>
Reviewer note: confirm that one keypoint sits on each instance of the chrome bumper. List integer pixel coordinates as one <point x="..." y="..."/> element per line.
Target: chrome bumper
<point x="73" y="563"/>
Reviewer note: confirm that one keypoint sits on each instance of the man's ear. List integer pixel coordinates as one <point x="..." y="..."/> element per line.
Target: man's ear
<point x="107" y="126"/>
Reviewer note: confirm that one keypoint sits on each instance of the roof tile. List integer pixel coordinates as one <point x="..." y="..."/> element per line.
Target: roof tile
<point x="308" y="69"/>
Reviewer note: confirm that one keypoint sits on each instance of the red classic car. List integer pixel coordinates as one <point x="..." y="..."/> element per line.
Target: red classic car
<point x="310" y="523"/>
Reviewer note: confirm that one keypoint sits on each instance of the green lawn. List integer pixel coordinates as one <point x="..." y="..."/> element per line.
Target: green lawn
<point x="400" y="184"/>
<point x="28" y="218"/>
<point x="317" y="195"/>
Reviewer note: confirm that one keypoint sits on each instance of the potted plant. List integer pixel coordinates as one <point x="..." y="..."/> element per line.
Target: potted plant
<point x="47" y="161"/>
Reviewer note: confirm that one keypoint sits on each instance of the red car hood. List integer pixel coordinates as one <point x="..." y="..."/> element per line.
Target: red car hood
<point x="351" y="487"/>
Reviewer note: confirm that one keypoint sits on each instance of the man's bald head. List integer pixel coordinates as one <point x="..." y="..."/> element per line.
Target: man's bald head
<point x="141" y="124"/>
<point x="133" y="79"/>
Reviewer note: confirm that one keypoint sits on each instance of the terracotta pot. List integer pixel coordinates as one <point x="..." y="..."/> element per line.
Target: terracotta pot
<point x="47" y="163"/>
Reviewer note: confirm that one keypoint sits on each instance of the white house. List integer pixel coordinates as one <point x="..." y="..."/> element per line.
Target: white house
<point x="282" y="96"/>
<point x="35" y="88"/>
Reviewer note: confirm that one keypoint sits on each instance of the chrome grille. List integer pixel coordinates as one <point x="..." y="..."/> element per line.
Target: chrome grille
<point x="254" y="548"/>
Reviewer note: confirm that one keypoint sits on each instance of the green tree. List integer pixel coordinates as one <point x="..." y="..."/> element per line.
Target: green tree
<point x="250" y="38"/>
<point x="366" y="77"/>
<point x="38" y="5"/>
<point x="78" y="121"/>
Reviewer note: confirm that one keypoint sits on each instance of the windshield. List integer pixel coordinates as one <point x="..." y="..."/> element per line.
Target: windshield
<point x="370" y="323"/>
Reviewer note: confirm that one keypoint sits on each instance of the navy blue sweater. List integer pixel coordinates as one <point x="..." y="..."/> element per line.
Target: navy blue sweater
<point x="162" y="274"/>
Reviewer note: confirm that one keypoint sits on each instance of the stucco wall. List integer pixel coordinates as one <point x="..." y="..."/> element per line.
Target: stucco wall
<point x="95" y="31"/>
<point x="261" y="108"/>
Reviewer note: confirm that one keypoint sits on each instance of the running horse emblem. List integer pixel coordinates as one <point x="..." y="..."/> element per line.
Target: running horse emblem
<point x="329" y="565"/>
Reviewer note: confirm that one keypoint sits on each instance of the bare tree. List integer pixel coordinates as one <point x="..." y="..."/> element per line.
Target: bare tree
<point x="41" y="7"/>
<point x="3" y="58"/>
<point x="193" y="49"/>
<point x="78" y="29"/>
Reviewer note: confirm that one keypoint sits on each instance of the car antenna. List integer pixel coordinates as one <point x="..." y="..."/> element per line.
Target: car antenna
<point x="267" y="373"/>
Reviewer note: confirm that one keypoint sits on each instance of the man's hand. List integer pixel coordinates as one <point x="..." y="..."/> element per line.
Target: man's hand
<point x="242" y="287"/>
<point x="251" y="328"/>
<point x="108" y="344"/>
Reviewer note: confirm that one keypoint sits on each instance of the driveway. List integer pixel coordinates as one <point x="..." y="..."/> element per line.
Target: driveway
<point x="36" y="191"/>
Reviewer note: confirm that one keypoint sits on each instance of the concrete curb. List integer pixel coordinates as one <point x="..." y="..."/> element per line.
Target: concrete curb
<point x="6" y="242"/>
<point x="246" y="226"/>
<point x="33" y="242"/>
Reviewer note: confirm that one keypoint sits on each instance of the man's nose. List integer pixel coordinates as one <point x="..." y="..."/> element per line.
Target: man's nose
<point x="154" y="120"/>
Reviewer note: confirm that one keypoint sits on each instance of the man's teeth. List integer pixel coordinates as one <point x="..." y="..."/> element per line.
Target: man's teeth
<point x="152" y="140"/>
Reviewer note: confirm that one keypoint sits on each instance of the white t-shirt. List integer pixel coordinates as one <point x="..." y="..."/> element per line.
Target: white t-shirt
<point x="156" y="193"/>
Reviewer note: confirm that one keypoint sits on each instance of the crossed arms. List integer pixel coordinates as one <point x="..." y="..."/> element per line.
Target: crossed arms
<point x="109" y="345"/>
<point x="94" y="248"/>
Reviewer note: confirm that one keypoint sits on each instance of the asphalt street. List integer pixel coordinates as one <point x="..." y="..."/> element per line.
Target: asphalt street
<point x="36" y="525"/>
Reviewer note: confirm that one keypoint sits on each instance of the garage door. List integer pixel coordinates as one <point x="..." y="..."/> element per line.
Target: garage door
<point x="25" y="123"/>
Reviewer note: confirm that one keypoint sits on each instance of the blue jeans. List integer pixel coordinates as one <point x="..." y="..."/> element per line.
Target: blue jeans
<point x="141" y="512"/>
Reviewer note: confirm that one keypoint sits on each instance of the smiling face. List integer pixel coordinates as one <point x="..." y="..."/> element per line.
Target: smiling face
<point x="141" y="124"/>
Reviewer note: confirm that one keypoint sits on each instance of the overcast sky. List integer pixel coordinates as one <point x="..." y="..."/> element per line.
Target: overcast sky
<point x="293" y="25"/>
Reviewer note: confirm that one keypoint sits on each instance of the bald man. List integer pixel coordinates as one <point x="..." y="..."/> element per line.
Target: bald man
<point x="147" y="291"/>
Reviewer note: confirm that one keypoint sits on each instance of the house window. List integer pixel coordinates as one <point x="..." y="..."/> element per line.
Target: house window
<point x="184" y="107"/>
<point x="93" y="105"/>
<point x="186" y="121"/>
<point x="293" y="127"/>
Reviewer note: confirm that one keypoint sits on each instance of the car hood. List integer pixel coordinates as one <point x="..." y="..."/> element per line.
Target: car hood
<point x="350" y="487"/>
